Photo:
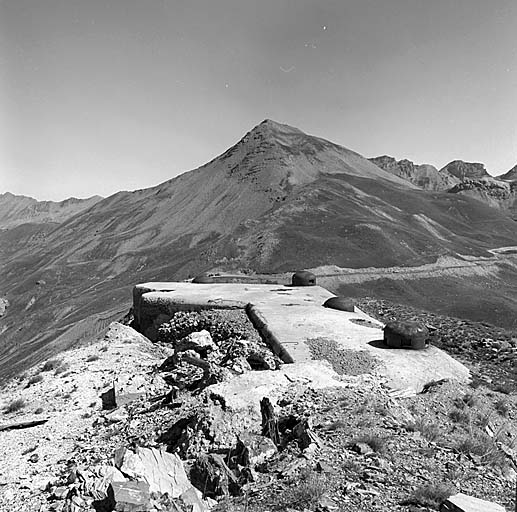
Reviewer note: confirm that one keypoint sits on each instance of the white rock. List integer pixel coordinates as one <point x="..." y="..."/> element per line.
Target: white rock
<point x="200" y="340"/>
<point x="163" y="471"/>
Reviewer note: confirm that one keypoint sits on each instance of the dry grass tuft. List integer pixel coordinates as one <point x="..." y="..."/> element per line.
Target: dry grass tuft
<point x="501" y="406"/>
<point x="51" y="364"/>
<point x="15" y="405"/>
<point x="34" y="379"/>
<point x="375" y="442"/>
<point x="431" y="495"/>
<point x="305" y="492"/>
<point x="428" y="429"/>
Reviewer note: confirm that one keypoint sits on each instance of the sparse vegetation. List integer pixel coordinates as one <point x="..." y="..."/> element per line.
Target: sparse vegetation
<point x="15" y="405"/>
<point x="34" y="379"/>
<point x="336" y="425"/>
<point x="482" y="446"/>
<point x="51" y="364"/>
<point x="61" y="368"/>
<point x="466" y="400"/>
<point x="428" y="429"/>
<point x="501" y="406"/>
<point x="431" y="495"/>
<point x="459" y="415"/>
<point x="375" y="442"/>
<point x="305" y="491"/>
<point x="505" y="387"/>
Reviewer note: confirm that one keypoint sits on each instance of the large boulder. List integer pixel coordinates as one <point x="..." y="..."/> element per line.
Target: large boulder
<point x="163" y="471"/>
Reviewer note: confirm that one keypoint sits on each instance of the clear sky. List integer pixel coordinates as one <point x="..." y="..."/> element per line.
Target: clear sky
<point x="98" y="96"/>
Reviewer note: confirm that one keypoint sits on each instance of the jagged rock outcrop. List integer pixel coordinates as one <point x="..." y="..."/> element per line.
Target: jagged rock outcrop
<point x="464" y="170"/>
<point x="496" y="193"/>
<point x="424" y="176"/>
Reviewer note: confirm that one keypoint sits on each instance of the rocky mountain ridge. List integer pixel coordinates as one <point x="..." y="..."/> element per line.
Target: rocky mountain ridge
<point x="458" y="177"/>
<point x="16" y="210"/>
<point x="424" y="176"/>
<point x="464" y="170"/>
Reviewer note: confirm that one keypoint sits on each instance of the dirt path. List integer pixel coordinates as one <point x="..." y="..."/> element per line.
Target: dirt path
<point x="444" y="266"/>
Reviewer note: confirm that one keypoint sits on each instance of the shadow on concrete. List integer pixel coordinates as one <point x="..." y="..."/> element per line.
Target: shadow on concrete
<point x="378" y="344"/>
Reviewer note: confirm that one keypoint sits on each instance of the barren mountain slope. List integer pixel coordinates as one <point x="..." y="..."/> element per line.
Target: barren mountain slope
<point x="277" y="200"/>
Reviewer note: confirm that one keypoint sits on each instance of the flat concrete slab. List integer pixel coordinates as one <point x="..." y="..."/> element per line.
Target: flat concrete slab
<point x="299" y="329"/>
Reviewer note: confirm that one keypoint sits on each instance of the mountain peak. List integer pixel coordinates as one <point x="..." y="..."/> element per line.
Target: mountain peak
<point x="273" y="127"/>
<point x="462" y="170"/>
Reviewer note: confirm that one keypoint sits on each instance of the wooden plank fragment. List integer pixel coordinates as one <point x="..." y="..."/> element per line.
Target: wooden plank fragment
<point x="23" y="424"/>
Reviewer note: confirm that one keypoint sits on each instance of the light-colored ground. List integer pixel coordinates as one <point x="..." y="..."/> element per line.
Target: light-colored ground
<point x="71" y="402"/>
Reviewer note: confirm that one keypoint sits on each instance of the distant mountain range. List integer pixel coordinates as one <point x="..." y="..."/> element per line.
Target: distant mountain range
<point x="459" y="177"/>
<point x="16" y="210"/>
<point x="276" y="201"/>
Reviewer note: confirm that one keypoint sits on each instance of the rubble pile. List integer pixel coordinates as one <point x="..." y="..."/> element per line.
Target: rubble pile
<point x="213" y="344"/>
<point x="209" y="419"/>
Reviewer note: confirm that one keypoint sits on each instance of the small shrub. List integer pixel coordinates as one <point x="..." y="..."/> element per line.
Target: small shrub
<point x="502" y="408"/>
<point x="469" y="399"/>
<point x="375" y="442"/>
<point x="336" y="425"/>
<point x="39" y="410"/>
<point x="51" y="364"/>
<point x="92" y="357"/>
<point x="483" y="420"/>
<point x="505" y="387"/>
<point x="34" y="379"/>
<point x="351" y="466"/>
<point x="459" y="416"/>
<point x="431" y="495"/>
<point x="15" y="405"/>
<point x="466" y="400"/>
<point x="305" y="492"/>
<point x="61" y="368"/>
<point x="428" y="429"/>
<point x="482" y="446"/>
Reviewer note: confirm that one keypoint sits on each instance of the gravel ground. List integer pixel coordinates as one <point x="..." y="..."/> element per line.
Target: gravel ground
<point x="343" y="361"/>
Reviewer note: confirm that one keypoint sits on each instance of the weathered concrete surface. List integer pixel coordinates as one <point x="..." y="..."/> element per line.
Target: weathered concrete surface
<point x="288" y="317"/>
<point x="462" y="503"/>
